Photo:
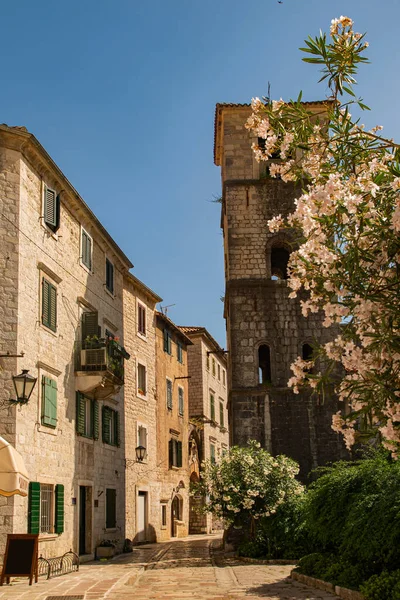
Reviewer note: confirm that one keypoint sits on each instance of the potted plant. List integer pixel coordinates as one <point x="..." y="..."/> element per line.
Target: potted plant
<point x="106" y="549"/>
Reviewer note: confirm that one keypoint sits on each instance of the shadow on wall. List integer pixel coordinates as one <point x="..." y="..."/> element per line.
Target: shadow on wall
<point x="149" y="536"/>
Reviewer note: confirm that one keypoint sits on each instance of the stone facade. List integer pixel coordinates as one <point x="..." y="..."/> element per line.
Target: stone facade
<point x="265" y="329"/>
<point x="208" y="407"/>
<point x="39" y="262"/>
<point x="143" y="522"/>
<point x="172" y="427"/>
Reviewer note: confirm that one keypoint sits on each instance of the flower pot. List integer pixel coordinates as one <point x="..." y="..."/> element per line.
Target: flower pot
<point x="105" y="551"/>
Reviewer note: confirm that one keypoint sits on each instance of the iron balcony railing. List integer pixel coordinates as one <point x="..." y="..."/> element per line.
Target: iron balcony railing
<point x="93" y="355"/>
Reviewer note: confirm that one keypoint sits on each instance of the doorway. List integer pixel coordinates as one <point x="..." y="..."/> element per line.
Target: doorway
<point x="142" y="517"/>
<point x="175" y="514"/>
<point x="85" y="519"/>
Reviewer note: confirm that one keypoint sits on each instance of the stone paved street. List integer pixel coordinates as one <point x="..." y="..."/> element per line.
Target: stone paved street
<point x="191" y="567"/>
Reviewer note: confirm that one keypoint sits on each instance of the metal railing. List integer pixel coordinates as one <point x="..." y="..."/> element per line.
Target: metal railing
<point x="59" y="565"/>
<point x="100" y="355"/>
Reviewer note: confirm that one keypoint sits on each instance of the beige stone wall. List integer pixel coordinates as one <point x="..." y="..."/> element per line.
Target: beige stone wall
<point x="57" y="455"/>
<point x="171" y="425"/>
<point x="140" y="410"/>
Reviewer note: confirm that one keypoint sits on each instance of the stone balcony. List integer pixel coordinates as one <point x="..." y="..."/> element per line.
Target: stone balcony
<point x="99" y="367"/>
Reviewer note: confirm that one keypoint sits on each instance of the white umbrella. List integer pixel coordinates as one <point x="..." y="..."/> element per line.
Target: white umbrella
<point x="13" y="474"/>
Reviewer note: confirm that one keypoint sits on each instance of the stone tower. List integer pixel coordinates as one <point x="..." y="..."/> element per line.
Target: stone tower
<point x="265" y="328"/>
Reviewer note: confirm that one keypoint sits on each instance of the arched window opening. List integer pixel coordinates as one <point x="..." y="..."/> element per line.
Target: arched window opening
<point x="264" y="364"/>
<point x="279" y="263"/>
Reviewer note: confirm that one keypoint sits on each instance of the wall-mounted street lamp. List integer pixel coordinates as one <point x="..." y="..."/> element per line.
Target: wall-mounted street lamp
<point x="140" y="453"/>
<point x="23" y="384"/>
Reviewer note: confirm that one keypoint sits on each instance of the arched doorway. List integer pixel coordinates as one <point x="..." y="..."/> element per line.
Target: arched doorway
<point x="176" y="513"/>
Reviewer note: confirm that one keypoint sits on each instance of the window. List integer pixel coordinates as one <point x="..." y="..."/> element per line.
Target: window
<point x="141" y="319"/>
<point x="90" y="326"/>
<point x="111" y="508"/>
<point x="175" y="453"/>
<point x="86" y="249"/>
<point x="213" y="367"/>
<point x="279" y="263"/>
<point x="167" y="342"/>
<point x="307" y="354"/>
<point x="163" y="515"/>
<point x="110" y="422"/>
<point x="180" y="400"/>
<point x="221" y="413"/>
<point x="212" y="407"/>
<point x="169" y="394"/>
<point x="212" y="453"/>
<point x="208" y="362"/>
<point x="219" y="373"/>
<point x="109" y="276"/>
<point x="87" y="416"/>
<point x="223" y="377"/>
<point x="49" y="402"/>
<point x="45" y="508"/>
<point x="264" y="364"/>
<point x="141" y="380"/>
<point x="51" y="209"/>
<point x="179" y="352"/>
<point x="49" y="305"/>
<point x="142" y="437"/>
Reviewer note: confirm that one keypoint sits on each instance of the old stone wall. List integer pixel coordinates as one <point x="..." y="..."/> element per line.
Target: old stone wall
<point x="172" y="426"/>
<point x="140" y="411"/>
<point x="57" y="455"/>
<point x="259" y="311"/>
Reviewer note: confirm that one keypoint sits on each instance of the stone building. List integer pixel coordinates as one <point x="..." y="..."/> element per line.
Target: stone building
<point x="172" y="427"/>
<point x="265" y="329"/>
<point x="61" y="304"/>
<point x="143" y="516"/>
<point x="208" y="409"/>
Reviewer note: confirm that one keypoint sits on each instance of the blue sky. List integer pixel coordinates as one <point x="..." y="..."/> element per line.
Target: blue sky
<point x="122" y="95"/>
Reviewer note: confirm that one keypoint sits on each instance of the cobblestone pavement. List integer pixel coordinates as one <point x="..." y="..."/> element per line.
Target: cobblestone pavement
<point x="191" y="567"/>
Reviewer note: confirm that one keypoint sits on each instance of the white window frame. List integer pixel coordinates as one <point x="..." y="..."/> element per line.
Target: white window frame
<point x="140" y="304"/>
<point x="172" y="394"/>
<point x="51" y="514"/>
<point x="81" y="251"/>
<point x="181" y="413"/>
<point x="141" y="364"/>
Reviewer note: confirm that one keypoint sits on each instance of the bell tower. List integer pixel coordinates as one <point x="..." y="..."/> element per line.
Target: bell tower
<point x="266" y="330"/>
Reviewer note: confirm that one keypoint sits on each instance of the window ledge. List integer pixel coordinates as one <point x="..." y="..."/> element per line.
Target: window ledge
<point x="85" y="267"/>
<point x="174" y="468"/>
<point x="50" y="232"/>
<point x="141" y="396"/>
<point x="107" y="291"/>
<point x="142" y="336"/>
<point x="48" y="537"/>
<point x="45" y="328"/>
<point x="110" y="529"/>
<point x="50" y="430"/>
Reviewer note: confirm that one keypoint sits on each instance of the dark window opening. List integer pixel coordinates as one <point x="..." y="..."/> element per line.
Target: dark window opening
<point x="261" y="144"/>
<point x="279" y="263"/>
<point x="307" y="352"/>
<point x="264" y="364"/>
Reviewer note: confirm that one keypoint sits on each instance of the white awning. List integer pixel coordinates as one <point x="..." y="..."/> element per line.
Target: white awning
<point x="13" y="474"/>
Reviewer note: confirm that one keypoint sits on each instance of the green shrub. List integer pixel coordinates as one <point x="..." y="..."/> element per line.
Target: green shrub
<point x="252" y="549"/>
<point x="385" y="586"/>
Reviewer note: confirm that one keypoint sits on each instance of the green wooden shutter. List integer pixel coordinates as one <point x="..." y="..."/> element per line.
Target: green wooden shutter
<point x="95" y="419"/>
<point x="169" y="394"/>
<point x="109" y="276"/>
<point x="221" y="414"/>
<point x="59" y="512"/>
<point x="90" y="325"/>
<point x="171" y="453"/>
<point x="50" y="207"/>
<point x="45" y="303"/>
<point x="34" y="507"/>
<point x="117" y="429"/>
<point x="178" y="454"/>
<point x="80" y="414"/>
<point x="52" y="307"/>
<point x="106" y="425"/>
<point x="49" y="402"/>
<point x="212" y="407"/>
<point x="180" y="400"/>
<point x="86" y="250"/>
